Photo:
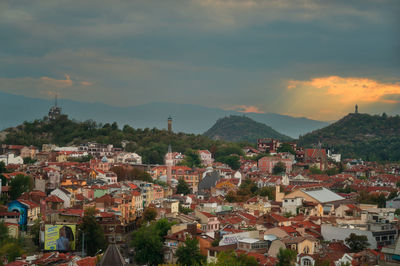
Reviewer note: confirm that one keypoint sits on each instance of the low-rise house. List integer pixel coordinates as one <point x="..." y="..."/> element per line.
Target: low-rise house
<point x="209" y="222"/>
<point x="54" y="203"/>
<point x="64" y="195"/>
<point x="10" y="158"/>
<point x="267" y="164"/>
<point x="205" y="157"/>
<point x="253" y="244"/>
<point x="302" y="245"/>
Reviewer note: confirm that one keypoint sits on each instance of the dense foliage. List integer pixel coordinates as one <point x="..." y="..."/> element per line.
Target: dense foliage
<point x="147" y="242"/>
<point x="182" y="187"/>
<point x="372" y="138"/>
<point x="151" y="144"/>
<point x="242" y="128"/>
<point x="189" y="253"/>
<point x="20" y="184"/>
<point x="10" y="248"/>
<point x="357" y="243"/>
<point x="286" y="257"/>
<point x="94" y="234"/>
<point x="249" y="189"/>
<point x="232" y="259"/>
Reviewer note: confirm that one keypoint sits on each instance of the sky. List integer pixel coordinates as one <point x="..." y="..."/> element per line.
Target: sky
<point x="311" y="58"/>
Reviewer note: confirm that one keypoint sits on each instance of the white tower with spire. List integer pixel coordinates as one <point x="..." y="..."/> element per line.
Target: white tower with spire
<point x="169" y="162"/>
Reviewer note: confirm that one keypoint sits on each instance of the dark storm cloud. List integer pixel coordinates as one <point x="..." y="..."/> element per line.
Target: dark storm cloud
<point x="241" y="51"/>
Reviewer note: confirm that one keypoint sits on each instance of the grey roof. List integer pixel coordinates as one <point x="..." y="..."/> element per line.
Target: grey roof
<point x="112" y="256"/>
<point x="322" y="194"/>
<point x="209" y="181"/>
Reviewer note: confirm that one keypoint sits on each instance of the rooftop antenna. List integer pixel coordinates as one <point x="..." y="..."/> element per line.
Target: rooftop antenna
<point x="55" y="99"/>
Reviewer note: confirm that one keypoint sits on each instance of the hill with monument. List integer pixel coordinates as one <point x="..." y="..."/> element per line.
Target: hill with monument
<point x="357" y="135"/>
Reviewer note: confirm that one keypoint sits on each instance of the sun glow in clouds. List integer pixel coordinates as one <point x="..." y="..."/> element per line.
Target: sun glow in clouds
<point x="351" y="89"/>
<point x="321" y="96"/>
<point x="246" y="109"/>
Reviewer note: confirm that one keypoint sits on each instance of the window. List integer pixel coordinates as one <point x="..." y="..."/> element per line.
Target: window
<point x="307" y="262"/>
<point x="306" y="250"/>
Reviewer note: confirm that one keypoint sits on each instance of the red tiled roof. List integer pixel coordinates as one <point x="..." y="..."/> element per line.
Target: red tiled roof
<point x="278" y="217"/>
<point x="88" y="261"/>
<point x="54" y="198"/>
<point x="29" y="203"/>
<point x="208" y="215"/>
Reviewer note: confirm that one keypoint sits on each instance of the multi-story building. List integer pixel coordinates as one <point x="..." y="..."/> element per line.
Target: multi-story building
<point x="268" y="145"/>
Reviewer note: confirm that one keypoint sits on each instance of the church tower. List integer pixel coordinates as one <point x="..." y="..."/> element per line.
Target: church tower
<point x="169" y="124"/>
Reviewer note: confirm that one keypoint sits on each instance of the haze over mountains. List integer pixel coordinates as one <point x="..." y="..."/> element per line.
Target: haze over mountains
<point x="14" y="109"/>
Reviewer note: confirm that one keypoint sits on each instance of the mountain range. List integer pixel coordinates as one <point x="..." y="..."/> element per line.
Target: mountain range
<point x="188" y="118"/>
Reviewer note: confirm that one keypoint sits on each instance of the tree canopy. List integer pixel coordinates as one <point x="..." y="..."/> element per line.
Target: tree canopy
<point x="147" y="242"/>
<point x="189" y="253"/>
<point x="20" y="184"/>
<point x="357" y="243"/>
<point x="182" y="187"/>
<point x="230" y="258"/>
<point x="286" y="257"/>
<point x="94" y="235"/>
<point x="279" y="168"/>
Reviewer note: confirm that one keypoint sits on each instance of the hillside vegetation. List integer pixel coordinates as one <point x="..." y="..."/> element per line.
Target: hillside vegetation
<point x="241" y="128"/>
<point x="151" y="144"/>
<point x="370" y="137"/>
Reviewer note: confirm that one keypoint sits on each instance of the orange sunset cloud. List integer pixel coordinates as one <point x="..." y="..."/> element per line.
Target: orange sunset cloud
<point x="350" y="89"/>
<point x="331" y="97"/>
<point x="246" y="109"/>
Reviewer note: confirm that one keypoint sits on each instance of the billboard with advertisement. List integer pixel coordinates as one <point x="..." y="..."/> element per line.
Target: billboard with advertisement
<point x="60" y="237"/>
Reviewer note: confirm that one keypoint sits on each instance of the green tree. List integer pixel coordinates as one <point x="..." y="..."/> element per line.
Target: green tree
<point x="286" y="257"/>
<point x="192" y="159"/>
<point x="147" y="242"/>
<point x="94" y="235"/>
<point x="279" y="168"/>
<point x="3" y="168"/>
<point x="149" y="214"/>
<point x="189" y="253"/>
<point x="29" y="160"/>
<point x="35" y="231"/>
<point x="315" y="171"/>
<point x="286" y="147"/>
<point x="3" y="232"/>
<point x="233" y="161"/>
<point x="230" y="196"/>
<point x="267" y="192"/>
<point x="20" y="184"/>
<point x="392" y="195"/>
<point x="230" y="258"/>
<point x="11" y="250"/>
<point x="182" y="187"/>
<point x="184" y="210"/>
<point x="357" y="243"/>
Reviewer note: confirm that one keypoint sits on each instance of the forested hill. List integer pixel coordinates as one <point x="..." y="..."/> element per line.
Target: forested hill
<point x="371" y="137"/>
<point x="151" y="144"/>
<point x="241" y="128"/>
